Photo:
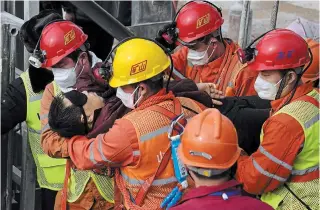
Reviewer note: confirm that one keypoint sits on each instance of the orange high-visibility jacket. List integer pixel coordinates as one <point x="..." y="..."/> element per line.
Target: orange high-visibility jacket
<point x="232" y="77"/>
<point x="271" y="165"/>
<point x="136" y="144"/>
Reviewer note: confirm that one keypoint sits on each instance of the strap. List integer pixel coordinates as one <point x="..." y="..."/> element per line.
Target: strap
<point x="147" y="183"/>
<point x="117" y="196"/>
<point x="167" y="155"/>
<point x="303" y="203"/>
<point x="65" y="186"/>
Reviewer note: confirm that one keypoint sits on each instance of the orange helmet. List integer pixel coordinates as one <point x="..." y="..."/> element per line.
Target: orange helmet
<point x="312" y="73"/>
<point x="197" y="19"/>
<point x="209" y="141"/>
<point x="58" y="40"/>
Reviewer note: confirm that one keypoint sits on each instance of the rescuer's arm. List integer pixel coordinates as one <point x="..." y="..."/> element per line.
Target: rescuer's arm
<point x="179" y="59"/>
<point x="244" y="82"/>
<point x="271" y="165"/>
<point x="115" y="148"/>
<point x="13" y="106"/>
<point x="52" y="142"/>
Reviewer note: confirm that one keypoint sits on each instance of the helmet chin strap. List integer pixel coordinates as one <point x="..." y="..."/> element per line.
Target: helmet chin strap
<point x="282" y="86"/>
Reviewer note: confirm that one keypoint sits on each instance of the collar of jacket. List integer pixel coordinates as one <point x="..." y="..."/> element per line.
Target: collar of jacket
<point x="87" y="80"/>
<point x="301" y="91"/>
<point x="205" y="190"/>
<point x="157" y="98"/>
<point x="39" y="78"/>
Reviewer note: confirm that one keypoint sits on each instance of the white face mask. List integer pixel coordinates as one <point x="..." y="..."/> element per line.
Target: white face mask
<point x="199" y="58"/>
<point x="266" y="90"/>
<point x="66" y="78"/>
<point x="127" y="98"/>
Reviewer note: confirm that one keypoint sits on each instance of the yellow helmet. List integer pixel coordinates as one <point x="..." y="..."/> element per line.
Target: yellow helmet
<point x="137" y="60"/>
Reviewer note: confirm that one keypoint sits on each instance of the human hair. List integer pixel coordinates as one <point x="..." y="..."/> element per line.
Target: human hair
<point x="224" y="174"/>
<point x="154" y="83"/>
<point x="65" y="120"/>
<point x="297" y="70"/>
<point x="229" y="174"/>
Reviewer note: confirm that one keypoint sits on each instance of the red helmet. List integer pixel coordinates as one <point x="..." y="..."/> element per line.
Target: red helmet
<point x="58" y="40"/>
<point x="280" y="49"/>
<point x="196" y="20"/>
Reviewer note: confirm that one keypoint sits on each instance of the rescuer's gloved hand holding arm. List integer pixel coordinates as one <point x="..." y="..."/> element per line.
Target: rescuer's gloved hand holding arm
<point x="167" y="36"/>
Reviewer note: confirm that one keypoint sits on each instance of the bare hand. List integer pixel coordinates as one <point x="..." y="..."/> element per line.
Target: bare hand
<point x="211" y="89"/>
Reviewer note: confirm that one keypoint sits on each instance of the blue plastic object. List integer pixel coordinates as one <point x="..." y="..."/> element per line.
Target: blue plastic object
<point x="180" y="170"/>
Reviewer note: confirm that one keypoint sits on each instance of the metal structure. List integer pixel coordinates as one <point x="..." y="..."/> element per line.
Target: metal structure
<point x="18" y="186"/>
<point x="147" y="17"/>
<point x="244" y="24"/>
<point x="103" y="19"/>
<point x="274" y="15"/>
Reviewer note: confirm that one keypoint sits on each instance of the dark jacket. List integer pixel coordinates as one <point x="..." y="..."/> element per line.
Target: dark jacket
<point x="211" y="198"/>
<point x="13" y="103"/>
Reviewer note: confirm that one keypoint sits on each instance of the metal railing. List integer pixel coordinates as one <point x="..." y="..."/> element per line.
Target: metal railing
<point x="18" y="185"/>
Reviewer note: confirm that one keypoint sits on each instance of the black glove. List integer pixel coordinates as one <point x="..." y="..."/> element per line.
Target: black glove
<point x="167" y="36"/>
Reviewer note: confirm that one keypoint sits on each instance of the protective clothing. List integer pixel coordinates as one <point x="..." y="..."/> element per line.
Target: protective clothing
<point x="288" y="154"/>
<point x="79" y="188"/>
<point x="58" y="40"/>
<point x="197" y="19"/>
<point x="78" y="179"/>
<point x="141" y="152"/>
<point x="280" y="49"/>
<point x="209" y="141"/>
<point x="312" y="73"/>
<point x="227" y="72"/>
<point x="137" y="60"/>
<point x="50" y="171"/>
<point x="305" y="169"/>
<point x="265" y="89"/>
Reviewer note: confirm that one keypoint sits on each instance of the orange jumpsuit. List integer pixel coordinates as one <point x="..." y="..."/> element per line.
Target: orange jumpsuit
<point x="230" y="76"/>
<point x="52" y="144"/>
<point x="283" y="137"/>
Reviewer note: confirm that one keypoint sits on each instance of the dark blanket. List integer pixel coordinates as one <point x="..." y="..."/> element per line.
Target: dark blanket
<point x="248" y="113"/>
